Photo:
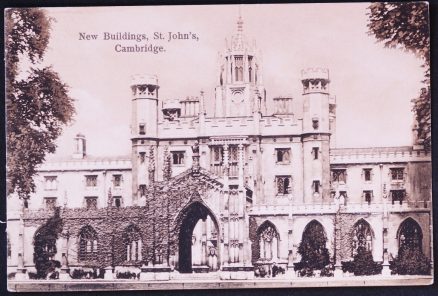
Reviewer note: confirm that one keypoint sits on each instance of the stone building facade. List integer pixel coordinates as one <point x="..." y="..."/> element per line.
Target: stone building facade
<point x="227" y="192"/>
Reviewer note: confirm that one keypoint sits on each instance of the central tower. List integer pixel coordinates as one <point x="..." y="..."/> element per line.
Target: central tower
<point x="240" y="90"/>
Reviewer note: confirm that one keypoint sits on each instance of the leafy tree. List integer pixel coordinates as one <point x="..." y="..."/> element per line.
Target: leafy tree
<point x="405" y="25"/>
<point x="313" y="251"/>
<point x="410" y="261"/>
<point x="37" y="102"/>
<point x="45" y="246"/>
<point x="363" y="263"/>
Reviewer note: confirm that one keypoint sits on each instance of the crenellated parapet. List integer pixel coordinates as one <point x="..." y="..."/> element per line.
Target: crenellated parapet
<point x="315" y="80"/>
<point x="378" y="155"/>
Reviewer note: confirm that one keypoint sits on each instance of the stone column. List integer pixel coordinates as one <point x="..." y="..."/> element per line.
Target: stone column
<point x="385" y="270"/>
<point x="65" y="270"/>
<point x="21" y="270"/>
<point x="338" y="266"/>
<point x="204" y="252"/>
<point x="290" y="246"/>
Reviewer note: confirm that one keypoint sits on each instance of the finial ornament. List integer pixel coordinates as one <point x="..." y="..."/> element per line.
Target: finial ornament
<point x="240" y="20"/>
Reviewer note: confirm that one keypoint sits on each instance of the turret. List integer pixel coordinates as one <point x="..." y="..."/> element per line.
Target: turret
<point x="80" y="147"/>
<point x="316" y="135"/>
<point x="316" y="100"/>
<point x="144" y="106"/>
<point x="144" y="132"/>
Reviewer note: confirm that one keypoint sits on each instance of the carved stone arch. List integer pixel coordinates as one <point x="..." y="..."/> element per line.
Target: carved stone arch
<point x="410" y="234"/>
<point x="362" y="236"/>
<point x="88" y="242"/>
<point x="313" y="246"/>
<point x="315" y="223"/>
<point x="132" y="241"/>
<point x="183" y="227"/>
<point x="268" y="241"/>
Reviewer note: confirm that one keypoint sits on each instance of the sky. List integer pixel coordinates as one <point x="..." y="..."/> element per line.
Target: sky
<point x="373" y="85"/>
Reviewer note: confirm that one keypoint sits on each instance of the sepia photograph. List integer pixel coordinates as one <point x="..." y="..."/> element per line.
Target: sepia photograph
<point x="218" y="146"/>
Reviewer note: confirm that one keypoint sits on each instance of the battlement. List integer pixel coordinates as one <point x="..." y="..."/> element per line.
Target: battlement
<point x="144" y="79"/>
<point x="315" y="73"/>
<point x="171" y="104"/>
<point x="377" y="154"/>
<point x="180" y="128"/>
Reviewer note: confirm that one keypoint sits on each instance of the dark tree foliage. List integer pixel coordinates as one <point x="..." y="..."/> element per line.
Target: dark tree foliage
<point x="406" y="26"/>
<point x="37" y="102"/>
<point x="362" y="264"/>
<point x="410" y="261"/>
<point x="313" y="251"/>
<point x="45" y="246"/>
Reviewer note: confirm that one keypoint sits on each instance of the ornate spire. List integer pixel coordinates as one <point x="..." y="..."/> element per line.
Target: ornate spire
<point x="240" y="21"/>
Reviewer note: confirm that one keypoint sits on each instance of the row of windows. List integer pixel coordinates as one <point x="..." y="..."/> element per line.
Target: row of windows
<point x="90" y="202"/>
<point x="409" y="237"/>
<point x="340" y="175"/>
<point x="51" y="182"/>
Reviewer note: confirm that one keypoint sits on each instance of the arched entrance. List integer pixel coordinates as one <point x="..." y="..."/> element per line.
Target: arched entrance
<point x="198" y="235"/>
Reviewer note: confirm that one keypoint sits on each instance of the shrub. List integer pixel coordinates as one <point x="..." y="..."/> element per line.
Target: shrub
<point x="126" y="275"/>
<point x="306" y="272"/>
<point x="362" y="264"/>
<point x="81" y="274"/>
<point x="327" y="271"/>
<point x="314" y="254"/>
<point x="410" y="262"/>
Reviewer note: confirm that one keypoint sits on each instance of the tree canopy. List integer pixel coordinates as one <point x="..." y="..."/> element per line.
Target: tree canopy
<point x="37" y="101"/>
<point x="405" y="25"/>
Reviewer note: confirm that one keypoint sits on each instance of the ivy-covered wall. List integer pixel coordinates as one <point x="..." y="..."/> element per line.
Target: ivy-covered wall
<point x="159" y="222"/>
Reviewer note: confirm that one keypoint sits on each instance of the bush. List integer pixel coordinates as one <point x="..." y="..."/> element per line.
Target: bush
<point x="362" y="264"/>
<point x="314" y="254"/>
<point x="327" y="271"/>
<point x="306" y="272"/>
<point x="126" y="275"/>
<point x="410" y="262"/>
<point x="81" y="274"/>
<point x="348" y="266"/>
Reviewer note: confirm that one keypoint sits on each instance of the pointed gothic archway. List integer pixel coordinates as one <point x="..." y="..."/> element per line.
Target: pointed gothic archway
<point x="190" y="216"/>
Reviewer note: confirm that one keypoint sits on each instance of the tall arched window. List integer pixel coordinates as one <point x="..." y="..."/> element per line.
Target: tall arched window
<point x="45" y="242"/>
<point x="313" y="250"/>
<point x="268" y="241"/>
<point x="410" y="235"/>
<point x="362" y="237"/>
<point x="132" y="242"/>
<point x="87" y="243"/>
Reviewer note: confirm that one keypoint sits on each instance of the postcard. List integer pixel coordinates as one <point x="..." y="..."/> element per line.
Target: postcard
<point x="218" y="146"/>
